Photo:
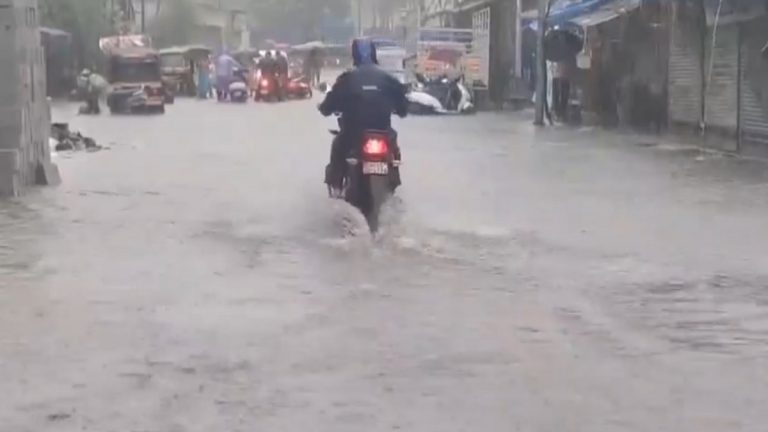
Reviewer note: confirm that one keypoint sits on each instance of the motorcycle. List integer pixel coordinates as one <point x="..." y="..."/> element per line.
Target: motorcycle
<point x="238" y="89"/>
<point x="298" y="88"/>
<point x="372" y="175"/>
<point x="440" y="95"/>
<point x="268" y="89"/>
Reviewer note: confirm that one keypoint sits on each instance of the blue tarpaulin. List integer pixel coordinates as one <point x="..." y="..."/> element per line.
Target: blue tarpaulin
<point x="565" y="10"/>
<point x="585" y="13"/>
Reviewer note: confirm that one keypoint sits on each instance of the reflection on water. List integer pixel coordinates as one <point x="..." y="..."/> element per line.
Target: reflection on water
<point x="720" y="314"/>
<point x="514" y="286"/>
<point x="22" y="228"/>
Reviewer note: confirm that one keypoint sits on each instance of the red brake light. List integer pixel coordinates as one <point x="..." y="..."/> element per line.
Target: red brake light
<point x="265" y="83"/>
<point x="376" y="146"/>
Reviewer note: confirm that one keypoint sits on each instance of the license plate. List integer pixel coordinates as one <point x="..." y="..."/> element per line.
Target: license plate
<point x="376" y="168"/>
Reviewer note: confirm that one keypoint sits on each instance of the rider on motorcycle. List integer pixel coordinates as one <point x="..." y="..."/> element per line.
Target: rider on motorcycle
<point x="268" y="67"/>
<point x="226" y="66"/>
<point x="281" y="67"/>
<point x="366" y="97"/>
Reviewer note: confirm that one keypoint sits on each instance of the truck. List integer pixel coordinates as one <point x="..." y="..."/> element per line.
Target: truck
<point x="452" y="52"/>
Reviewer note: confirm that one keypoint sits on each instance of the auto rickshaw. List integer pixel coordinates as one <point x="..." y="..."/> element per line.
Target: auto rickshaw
<point x="135" y="81"/>
<point x="179" y="68"/>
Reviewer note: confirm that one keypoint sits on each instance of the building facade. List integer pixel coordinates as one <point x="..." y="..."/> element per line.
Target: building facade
<point x="222" y="24"/>
<point x="24" y="111"/>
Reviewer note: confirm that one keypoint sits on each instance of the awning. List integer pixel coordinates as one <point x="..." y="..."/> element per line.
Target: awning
<point x="606" y="12"/>
<point x="584" y="13"/>
<point x="566" y="10"/>
<point x="471" y="4"/>
<point x="54" y="32"/>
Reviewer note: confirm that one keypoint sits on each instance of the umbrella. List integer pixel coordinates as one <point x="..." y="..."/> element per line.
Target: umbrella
<point x="563" y="43"/>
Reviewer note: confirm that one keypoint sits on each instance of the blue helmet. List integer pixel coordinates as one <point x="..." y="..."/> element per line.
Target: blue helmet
<point x="363" y="52"/>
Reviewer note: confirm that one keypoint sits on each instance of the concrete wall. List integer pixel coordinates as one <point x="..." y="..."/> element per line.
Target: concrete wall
<point x="24" y="111"/>
<point x="229" y="17"/>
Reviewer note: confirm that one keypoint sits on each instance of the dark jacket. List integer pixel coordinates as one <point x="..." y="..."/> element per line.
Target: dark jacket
<point x="281" y="63"/>
<point x="268" y="65"/>
<point x="366" y="97"/>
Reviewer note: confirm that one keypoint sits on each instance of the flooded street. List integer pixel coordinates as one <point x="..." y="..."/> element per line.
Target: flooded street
<point x="194" y="277"/>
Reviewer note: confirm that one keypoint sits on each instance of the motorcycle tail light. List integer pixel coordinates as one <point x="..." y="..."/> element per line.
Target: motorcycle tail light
<point x="265" y="83"/>
<point x="376" y="145"/>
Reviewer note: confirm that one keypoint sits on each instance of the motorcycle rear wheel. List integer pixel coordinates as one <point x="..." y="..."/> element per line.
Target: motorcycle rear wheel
<point x="379" y="191"/>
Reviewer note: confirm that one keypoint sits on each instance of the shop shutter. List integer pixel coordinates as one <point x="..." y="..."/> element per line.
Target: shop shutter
<point x="481" y="31"/>
<point x="685" y="81"/>
<point x="721" y="102"/>
<point x="753" y="109"/>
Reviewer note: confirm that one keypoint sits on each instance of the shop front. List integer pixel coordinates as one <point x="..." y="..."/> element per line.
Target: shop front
<point x="610" y="59"/>
<point x="718" y="77"/>
<point x="753" y="87"/>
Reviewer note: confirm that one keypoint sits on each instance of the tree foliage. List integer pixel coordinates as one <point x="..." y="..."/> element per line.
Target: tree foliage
<point x="174" y="25"/>
<point x="86" y="20"/>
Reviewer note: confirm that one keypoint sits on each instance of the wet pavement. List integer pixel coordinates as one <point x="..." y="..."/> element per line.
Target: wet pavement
<point x="194" y="277"/>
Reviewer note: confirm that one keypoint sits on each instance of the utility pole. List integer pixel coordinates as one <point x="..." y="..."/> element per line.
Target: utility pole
<point x="143" y="16"/>
<point x="359" y="18"/>
<point x="112" y="20"/>
<point x="541" y="64"/>
<point x="518" y="39"/>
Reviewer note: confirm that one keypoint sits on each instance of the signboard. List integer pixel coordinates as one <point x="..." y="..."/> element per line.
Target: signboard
<point x="732" y="11"/>
<point x="108" y="44"/>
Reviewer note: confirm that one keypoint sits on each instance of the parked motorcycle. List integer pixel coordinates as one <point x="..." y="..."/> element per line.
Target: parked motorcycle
<point x="298" y="88"/>
<point x="440" y="95"/>
<point x="372" y="175"/>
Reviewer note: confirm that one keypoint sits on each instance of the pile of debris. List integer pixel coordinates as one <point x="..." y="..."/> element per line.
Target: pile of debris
<point x="62" y="139"/>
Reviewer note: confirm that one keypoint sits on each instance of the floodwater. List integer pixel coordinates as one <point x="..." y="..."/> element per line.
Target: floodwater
<point x="194" y="277"/>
